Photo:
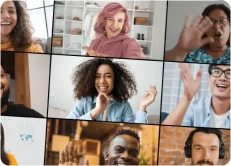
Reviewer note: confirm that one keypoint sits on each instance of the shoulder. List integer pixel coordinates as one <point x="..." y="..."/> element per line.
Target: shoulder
<point x="7" y="47"/>
<point x="12" y="159"/>
<point x="34" y="48"/>
<point x="199" y="55"/>
<point x="21" y="110"/>
<point x="201" y="103"/>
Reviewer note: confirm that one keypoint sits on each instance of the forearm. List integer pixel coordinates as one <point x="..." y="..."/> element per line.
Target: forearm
<point x="95" y="113"/>
<point x="177" y="115"/>
<point x="176" y="54"/>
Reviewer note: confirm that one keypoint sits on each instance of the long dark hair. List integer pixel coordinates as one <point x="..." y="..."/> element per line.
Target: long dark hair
<point x="21" y="35"/>
<point x="4" y="158"/>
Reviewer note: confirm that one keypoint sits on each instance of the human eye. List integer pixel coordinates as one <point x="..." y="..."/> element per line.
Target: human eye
<point x="11" y="11"/>
<point x="216" y="71"/>
<point x="118" y="149"/>
<point x="121" y="20"/>
<point x="227" y="72"/>
<point x="198" y="148"/>
<point x="134" y="153"/>
<point x="110" y="19"/>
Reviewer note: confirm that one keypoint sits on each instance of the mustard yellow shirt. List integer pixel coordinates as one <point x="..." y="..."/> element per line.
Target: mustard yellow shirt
<point x="11" y="158"/>
<point x="32" y="48"/>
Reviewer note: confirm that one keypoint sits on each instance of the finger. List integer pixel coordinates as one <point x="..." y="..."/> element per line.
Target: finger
<point x="66" y="154"/>
<point x="70" y="149"/>
<point x="205" y="25"/>
<point x="75" y="156"/>
<point x="86" y="48"/>
<point x="197" y="20"/>
<point x="61" y="157"/>
<point x="85" y="162"/>
<point x="199" y="74"/>
<point x="153" y="87"/>
<point x="187" y="21"/>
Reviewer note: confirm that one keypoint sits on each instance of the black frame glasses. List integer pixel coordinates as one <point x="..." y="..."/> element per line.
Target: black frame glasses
<point x="219" y="21"/>
<point x="217" y="72"/>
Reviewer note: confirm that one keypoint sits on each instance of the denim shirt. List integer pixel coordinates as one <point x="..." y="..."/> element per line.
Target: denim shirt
<point x="199" y="114"/>
<point x="201" y="56"/>
<point x="117" y="111"/>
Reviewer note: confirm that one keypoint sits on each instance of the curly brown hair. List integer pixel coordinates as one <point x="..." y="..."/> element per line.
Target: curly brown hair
<point x="84" y="79"/>
<point x="21" y="35"/>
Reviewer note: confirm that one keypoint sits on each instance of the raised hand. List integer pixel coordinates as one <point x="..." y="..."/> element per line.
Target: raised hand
<point x="68" y="156"/>
<point x="101" y="103"/>
<point x="191" y="35"/>
<point x="148" y="98"/>
<point x="91" y="52"/>
<point x="191" y="85"/>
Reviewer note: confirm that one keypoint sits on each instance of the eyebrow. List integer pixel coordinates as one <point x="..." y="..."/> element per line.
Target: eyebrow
<point x="201" y="146"/>
<point x="103" y="73"/>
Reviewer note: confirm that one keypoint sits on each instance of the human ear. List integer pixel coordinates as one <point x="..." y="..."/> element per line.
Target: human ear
<point x="106" y="155"/>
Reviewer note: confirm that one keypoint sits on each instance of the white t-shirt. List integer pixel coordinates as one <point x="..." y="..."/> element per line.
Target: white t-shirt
<point x="218" y="121"/>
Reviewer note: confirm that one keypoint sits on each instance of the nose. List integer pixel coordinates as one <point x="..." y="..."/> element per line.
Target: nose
<point x="206" y="155"/>
<point x="5" y="14"/>
<point x="114" y="24"/>
<point x="101" y="79"/>
<point x="216" y="25"/>
<point x="125" y="155"/>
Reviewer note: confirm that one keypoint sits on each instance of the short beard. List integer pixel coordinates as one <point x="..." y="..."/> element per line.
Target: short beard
<point x="5" y="97"/>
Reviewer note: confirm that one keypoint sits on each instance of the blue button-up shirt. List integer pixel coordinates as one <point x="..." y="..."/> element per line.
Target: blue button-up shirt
<point x="117" y="111"/>
<point x="199" y="114"/>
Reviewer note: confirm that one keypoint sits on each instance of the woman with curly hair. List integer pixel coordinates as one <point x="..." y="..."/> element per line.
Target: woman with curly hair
<point x="102" y="88"/>
<point x="113" y="26"/>
<point x="7" y="159"/>
<point x="16" y="34"/>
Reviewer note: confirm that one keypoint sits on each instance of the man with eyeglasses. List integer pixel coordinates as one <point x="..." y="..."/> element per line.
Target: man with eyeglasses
<point x="210" y="111"/>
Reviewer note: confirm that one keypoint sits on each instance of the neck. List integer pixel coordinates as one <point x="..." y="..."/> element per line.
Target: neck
<point x="5" y="38"/>
<point x="3" y="109"/>
<point x="220" y="106"/>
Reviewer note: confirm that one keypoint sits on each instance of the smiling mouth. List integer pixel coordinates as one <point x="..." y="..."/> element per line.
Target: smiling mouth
<point x="113" y="30"/>
<point x="123" y="164"/>
<point x="222" y="86"/>
<point x="5" y="23"/>
<point x="103" y="88"/>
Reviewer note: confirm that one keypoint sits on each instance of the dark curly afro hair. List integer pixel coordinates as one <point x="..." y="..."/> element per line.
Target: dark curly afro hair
<point x="84" y="79"/>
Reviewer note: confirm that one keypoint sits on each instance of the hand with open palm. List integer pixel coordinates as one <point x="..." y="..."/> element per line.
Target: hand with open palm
<point x="191" y="35"/>
<point x="191" y="85"/>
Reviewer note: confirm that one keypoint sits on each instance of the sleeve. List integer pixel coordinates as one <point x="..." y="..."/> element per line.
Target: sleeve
<point x="12" y="159"/>
<point x="188" y="118"/>
<point x="133" y="50"/>
<point x="38" y="49"/>
<point x="141" y="117"/>
<point x="78" y="112"/>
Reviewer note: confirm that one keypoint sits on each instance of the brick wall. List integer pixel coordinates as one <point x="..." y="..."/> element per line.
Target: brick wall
<point x="172" y="140"/>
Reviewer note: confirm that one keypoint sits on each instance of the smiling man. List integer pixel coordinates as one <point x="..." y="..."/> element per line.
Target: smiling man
<point x="8" y="108"/>
<point x="210" y="111"/>
<point x="124" y="149"/>
<point x="205" y="146"/>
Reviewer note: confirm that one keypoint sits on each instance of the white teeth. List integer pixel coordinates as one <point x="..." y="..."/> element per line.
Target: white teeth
<point x="222" y="85"/>
<point x="5" y="23"/>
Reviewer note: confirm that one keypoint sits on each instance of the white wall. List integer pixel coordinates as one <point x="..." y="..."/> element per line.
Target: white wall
<point x="176" y="15"/>
<point x="146" y="73"/>
<point x="159" y="29"/>
<point x="26" y="152"/>
<point x="39" y="65"/>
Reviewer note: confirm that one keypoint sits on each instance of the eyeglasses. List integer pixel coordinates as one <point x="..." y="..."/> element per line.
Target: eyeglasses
<point x="223" y="22"/>
<point x="216" y="72"/>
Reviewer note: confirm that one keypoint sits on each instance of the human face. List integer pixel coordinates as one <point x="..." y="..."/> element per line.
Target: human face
<point x="218" y="33"/>
<point x="205" y="149"/>
<point x="5" y="91"/>
<point x="8" y="18"/>
<point x="123" y="150"/>
<point x="104" y="79"/>
<point x="115" y="24"/>
<point x="220" y="86"/>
